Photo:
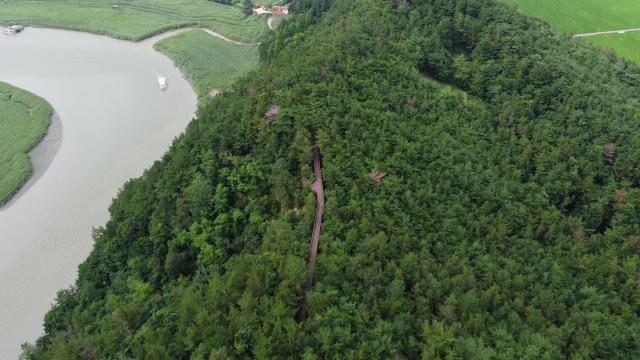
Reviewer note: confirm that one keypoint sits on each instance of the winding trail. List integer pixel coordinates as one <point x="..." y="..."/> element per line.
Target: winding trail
<point x="154" y="39"/>
<point x="211" y="32"/>
<point x="611" y="32"/>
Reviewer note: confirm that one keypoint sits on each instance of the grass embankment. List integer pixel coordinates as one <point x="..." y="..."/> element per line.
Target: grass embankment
<point x="585" y="16"/>
<point x="24" y="119"/>
<point x="133" y="19"/>
<point x="209" y="62"/>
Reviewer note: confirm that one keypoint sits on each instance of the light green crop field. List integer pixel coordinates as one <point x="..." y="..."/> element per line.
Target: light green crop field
<point x="585" y="16"/>
<point x="626" y="45"/>
<point x="209" y="62"/>
<point x="133" y="19"/>
<point x="24" y="119"/>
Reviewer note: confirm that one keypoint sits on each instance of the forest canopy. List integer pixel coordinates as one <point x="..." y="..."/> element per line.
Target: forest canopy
<point x="505" y="224"/>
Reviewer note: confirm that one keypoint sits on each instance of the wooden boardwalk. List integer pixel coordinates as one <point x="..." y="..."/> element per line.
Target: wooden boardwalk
<point x="318" y="188"/>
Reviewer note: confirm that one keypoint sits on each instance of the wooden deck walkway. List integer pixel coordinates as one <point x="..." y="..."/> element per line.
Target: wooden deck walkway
<point x="318" y="188"/>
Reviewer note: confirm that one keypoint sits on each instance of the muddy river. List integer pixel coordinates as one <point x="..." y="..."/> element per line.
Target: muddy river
<point x="112" y="121"/>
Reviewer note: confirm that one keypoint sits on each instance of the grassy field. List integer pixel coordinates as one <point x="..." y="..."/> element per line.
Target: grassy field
<point x="626" y="45"/>
<point x="583" y="16"/>
<point x="24" y="119"/>
<point x="209" y="62"/>
<point x="133" y="19"/>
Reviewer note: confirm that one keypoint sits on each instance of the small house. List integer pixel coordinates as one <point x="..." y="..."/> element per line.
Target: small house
<point x="279" y="10"/>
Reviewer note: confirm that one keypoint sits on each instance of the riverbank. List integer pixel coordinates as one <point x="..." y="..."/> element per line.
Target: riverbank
<point x="48" y="231"/>
<point x="24" y="120"/>
<point x="116" y="123"/>
<point x="209" y="62"/>
<point x="40" y="157"/>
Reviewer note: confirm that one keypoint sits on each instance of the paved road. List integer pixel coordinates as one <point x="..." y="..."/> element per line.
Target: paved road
<point x="270" y="22"/>
<point x="612" y="32"/>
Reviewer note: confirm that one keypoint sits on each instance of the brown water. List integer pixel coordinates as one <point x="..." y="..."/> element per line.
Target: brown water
<point x="113" y="123"/>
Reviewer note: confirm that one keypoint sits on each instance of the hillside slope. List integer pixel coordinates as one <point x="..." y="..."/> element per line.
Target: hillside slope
<point x="481" y="177"/>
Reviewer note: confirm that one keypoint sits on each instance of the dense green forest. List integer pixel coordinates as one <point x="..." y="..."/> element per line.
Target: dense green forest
<point x="481" y="176"/>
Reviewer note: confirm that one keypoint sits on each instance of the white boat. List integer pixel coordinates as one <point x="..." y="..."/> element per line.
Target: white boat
<point x="162" y="82"/>
<point x="13" y="29"/>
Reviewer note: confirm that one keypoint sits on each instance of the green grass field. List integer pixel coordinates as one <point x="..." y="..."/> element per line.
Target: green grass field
<point x="208" y="62"/>
<point x="133" y="19"/>
<point x="626" y="45"/>
<point x="24" y="119"/>
<point x="584" y="16"/>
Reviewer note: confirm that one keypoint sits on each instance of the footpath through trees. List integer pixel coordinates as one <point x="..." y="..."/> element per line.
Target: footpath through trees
<point x="318" y="188"/>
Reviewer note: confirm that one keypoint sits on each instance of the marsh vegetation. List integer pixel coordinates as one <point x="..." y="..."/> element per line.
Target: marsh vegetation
<point x="24" y="119"/>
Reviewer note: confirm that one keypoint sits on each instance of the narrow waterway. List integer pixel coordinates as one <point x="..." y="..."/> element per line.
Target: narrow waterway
<point x="112" y="122"/>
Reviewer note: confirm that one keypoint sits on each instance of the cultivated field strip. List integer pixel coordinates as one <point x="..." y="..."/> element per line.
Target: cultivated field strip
<point x="120" y="19"/>
<point x="170" y="12"/>
<point x="607" y="24"/>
